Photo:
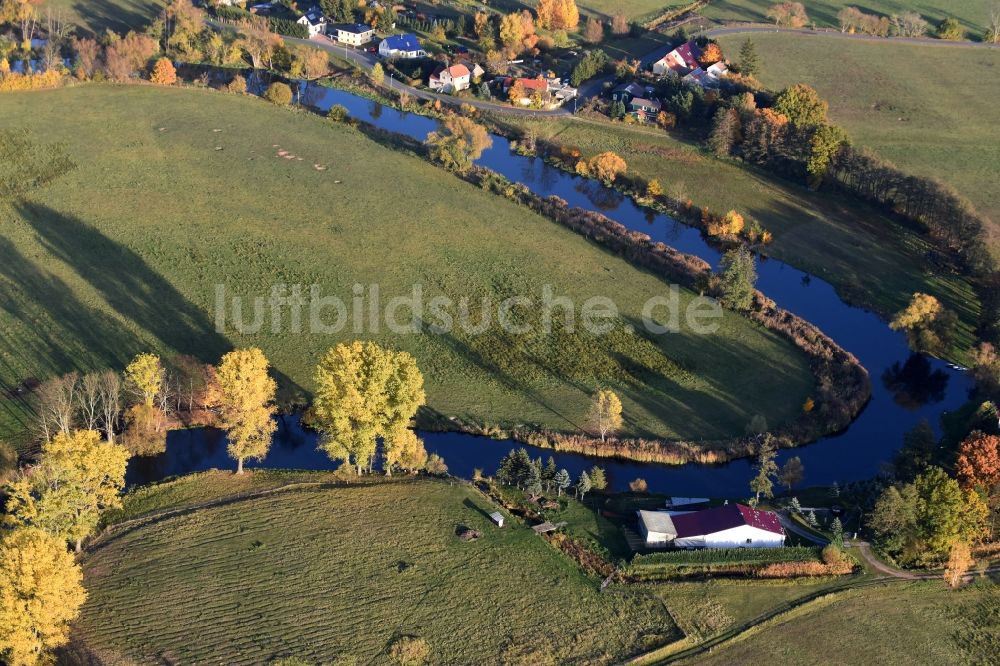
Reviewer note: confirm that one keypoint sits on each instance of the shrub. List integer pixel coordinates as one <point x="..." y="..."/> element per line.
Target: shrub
<point x="337" y="113"/>
<point x="238" y="85"/>
<point x="279" y="93"/>
<point x="435" y="465"/>
<point x="831" y="555"/>
<point x="409" y="651"/>
<point x="163" y="73"/>
<point x="638" y="486"/>
<point x="950" y="29"/>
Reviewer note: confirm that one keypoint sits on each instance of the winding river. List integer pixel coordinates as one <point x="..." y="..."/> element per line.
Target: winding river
<point x="906" y="387"/>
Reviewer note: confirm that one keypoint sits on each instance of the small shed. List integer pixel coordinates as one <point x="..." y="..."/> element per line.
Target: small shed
<point x="497" y="518"/>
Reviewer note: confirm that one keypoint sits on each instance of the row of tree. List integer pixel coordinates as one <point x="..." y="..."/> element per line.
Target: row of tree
<point x="519" y="470"/>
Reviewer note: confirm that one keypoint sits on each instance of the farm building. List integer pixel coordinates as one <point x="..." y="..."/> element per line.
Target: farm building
<point x="729" y="526"/>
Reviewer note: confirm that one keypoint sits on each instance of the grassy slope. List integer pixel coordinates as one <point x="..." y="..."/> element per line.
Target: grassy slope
<point x="124" y="254"/>
<point x="96" y="16"/>
<point x="973" y="13"/>
<point x="846" y="243"/>
<point x="931" y="113"/>
<point x="920" y="623"/>
<point x="321" y="574"/>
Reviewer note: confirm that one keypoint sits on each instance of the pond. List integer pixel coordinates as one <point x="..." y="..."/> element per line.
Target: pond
<point x="906" y="387"/>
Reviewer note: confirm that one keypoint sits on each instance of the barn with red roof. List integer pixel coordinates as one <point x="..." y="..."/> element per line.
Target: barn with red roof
<point x="729" y="526"/>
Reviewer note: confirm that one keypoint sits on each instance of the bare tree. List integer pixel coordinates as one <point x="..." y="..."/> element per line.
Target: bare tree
<point x="88" y="399"/>
<point x="56" y="404"/>
<point x="993" y="31"/>
<point x="110" y="389"/>
<point x="57" y="30"/>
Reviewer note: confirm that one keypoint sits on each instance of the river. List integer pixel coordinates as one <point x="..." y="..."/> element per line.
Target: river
<point x="920" y="387"/>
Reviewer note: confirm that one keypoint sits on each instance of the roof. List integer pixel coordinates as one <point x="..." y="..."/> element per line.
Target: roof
<point x="534" y="84"/>
<point x="314" y="16"/>
<point x="406" y="42"/>
<point x="657" y="521"/>
<point x="632" y="88"/>
<point x="455" y="71"/>
<point x="354" y="28"/>
<point x="723" y="518"/>
<point x="497" y="516"/>
<point x="645" y="103"/>
<point x="689" y="53"/>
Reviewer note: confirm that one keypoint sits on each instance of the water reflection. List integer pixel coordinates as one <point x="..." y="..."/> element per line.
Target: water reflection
<point x="914" y="383"/>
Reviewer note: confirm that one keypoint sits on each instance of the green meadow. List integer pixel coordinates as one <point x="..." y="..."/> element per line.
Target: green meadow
<point x="179" y="191"/>
<point x="335" y="575"/>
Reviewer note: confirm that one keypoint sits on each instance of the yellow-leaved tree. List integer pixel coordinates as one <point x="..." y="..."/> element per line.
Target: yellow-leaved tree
<point x="365" y="392"/>
<point x="605" y="416"/>
<point x="77" y="477"/>
<point x="144" y="377"/>
<point x="41" y="592"/>
<point x="246" y="404"/>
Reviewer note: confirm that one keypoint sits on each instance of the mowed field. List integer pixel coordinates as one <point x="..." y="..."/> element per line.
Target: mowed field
<point x="181" y="192"/>
<point x="334" y="575"/>
<point x="96" y="16"/>
<point x="973" y="14"/>
<point x="931" y="110"/>
<point x="913" y="623"/>
<point x="866" y="256"/>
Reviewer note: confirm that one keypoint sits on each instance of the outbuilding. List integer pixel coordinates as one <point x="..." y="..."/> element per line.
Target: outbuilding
<point x="497" y="518"/>
<point x="729" y="526"/>
<point x="657" y="528"/>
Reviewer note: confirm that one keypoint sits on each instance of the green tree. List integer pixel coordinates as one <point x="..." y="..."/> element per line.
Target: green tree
<point x="458" y="143"/>
<point x="824" y="145"/>
<point x="583" y="485"/>
<point x="41" y="592"/>
<point x="950" y="29"/>
<point x="598" y="478"/>
<point x="792" y="472"/>
<point x="365" y="392"/>
<point x="749" y="63"/>
<point x="739" y="275"/>
<point x="77" y="477"/>
<point x="837" y="531"/>
<point x="605" y="416"/>
<point x="917" y="453"/>
<point x="562" y="481"/>
<point x="802" y="105"/>
<point x="767" y="468"/>
<point x="246" y="404"/>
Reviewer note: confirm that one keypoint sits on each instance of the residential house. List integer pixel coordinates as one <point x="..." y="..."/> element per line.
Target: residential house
<point x="401" y="46"/>
<point x="314" y="21"/>
<point x="354" y="34"/>
<point x="475" y="70"/>
<point x="450" y="79"/>
<point x="729" y="526"/>
<point x="625" y="92"/>
<point x="643" y="109"/>
<point x="532" y="88"/>
<point x="679" y="61"/>
<point x="716" y="72"/>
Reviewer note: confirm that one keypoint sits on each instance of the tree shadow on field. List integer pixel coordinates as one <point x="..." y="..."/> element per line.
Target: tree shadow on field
<point x="120" y="16"/>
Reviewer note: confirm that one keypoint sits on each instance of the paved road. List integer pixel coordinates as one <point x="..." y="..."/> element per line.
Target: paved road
<point x="836" y="34"/>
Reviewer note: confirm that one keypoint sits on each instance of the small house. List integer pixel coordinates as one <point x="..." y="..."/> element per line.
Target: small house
<point x="497" y="518"/>
<point x="450" y="79"/>
<point x="644" y="108"/>
<point x="314" y="21"/>
<point x="401" y="46"/>
<point x="475" y="69"/>
<point x="679" y="61"/>
<point x="354" y="34"/>
<point x="626" y="92"/>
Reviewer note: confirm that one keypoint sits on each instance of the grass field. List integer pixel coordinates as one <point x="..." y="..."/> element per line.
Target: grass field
<point x="914" y="623"/>
<point x="337" y="574"/>
<point x="931" y="115"/>
<point x="96" y="16"/>
<point x="974" y="14"/>
<point x="178" y="191"/>
<point x="846" y="243"/>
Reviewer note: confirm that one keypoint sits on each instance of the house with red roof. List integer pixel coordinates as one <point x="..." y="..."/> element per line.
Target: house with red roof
<point x="680" y="61"/>
<point x="729" y="526"/>
<point x="450" y="79"/>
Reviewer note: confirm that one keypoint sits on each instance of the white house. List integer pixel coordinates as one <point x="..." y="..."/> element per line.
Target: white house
<point x="475" y="69"/>
<point x="657" y="528"/>
<point x="729" y="526"/>
<point x="401" y="46"/>
<point x="354" y="34"/>
<point x="450" y="79"/>
<point x="314" y="21"/>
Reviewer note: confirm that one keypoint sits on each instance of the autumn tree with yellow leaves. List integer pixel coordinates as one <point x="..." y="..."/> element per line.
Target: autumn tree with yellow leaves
<point x="77" y="477"/>
<point x="605" y="416"/>
<point x="246" y="404"/>
<point x="558" y="14"/>
<point x="364" y="393"/>
<point x="41" y="592"/>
